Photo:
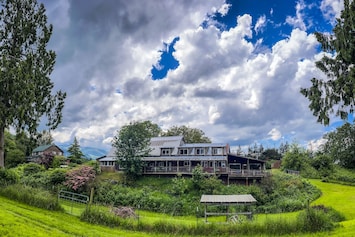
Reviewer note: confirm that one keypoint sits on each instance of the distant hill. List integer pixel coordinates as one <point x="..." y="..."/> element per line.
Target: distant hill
<point x="90" y="153"/>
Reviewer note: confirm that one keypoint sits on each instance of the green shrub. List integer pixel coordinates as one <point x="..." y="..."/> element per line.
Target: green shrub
<point x="31" y="196"/>
<point x="37" y="180"/>
<point x="100" y="216"/>
<point x="32" y="168"/>
<point x="57" y="177"/>
<point x="319" y="218"/>
<point x="8" y="176"/>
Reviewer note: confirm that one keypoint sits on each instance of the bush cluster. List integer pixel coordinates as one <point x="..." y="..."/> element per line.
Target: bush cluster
<point x="180" y="196"/>
<point x="312" y="220"/>
<point x="8" y="177"/>
<point x="31" y="196"/>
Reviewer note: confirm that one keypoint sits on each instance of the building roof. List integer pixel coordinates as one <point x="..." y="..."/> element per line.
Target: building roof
<point x="182" y="158"/>
<point x="198" y="145"/>
<point x="175" y="143"/>
<point x="44" y="147"/>
<point x="227" y="199"/>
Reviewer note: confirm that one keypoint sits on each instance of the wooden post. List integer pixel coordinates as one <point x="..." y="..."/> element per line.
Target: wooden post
<point x="91" y="196"/>
<point x="206" y="213"/>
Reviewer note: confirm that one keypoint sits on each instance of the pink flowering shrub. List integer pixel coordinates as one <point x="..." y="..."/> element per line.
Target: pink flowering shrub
<point x="78" y="179"/>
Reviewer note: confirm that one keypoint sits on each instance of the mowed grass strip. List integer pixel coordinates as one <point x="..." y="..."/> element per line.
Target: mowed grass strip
<point x="21" y="220"/>
<point x="342" y="199"/>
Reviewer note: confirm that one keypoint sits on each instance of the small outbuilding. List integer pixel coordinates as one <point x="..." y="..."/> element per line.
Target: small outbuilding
<point x="227" y="201"/>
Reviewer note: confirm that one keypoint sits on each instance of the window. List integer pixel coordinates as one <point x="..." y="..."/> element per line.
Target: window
<point x="165" y="152"/>
<point x="186" y="163"/>
<point x="183" y="152"/>
<point x="217" y="151"/>
<point x="235" y="166"/>
<point x="200" y="151"/>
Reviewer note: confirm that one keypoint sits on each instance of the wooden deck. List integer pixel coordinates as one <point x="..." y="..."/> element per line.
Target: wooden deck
<point x="173" y="170"/>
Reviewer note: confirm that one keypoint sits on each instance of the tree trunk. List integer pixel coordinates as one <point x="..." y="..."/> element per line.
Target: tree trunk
<point x="2" y="147"/>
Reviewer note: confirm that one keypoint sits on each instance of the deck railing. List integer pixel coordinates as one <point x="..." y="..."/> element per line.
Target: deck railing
<point x="220" y="171"/>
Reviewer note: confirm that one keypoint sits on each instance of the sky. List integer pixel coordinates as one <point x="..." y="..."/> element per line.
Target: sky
<point x="233" y="69"/>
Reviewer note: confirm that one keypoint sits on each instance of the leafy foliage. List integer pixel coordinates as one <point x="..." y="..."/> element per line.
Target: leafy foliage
<point x="297" y="158"/>
<point x="32" y="168"/>
<point x="26" y="64"/>
<point x="319" y="218"/>
<point x="270" y="153"/>
<point x="79" y="178"/>
<point x="337" y="91"/>
<point x="340" y="145"/>
<point x="46" y="160"/>
<point x="13" y="152"/>
<point x="44" y="138"/>
<point x="132" y="144"/>
<point x="8" y="176"/>
<point x="191" y="135"/>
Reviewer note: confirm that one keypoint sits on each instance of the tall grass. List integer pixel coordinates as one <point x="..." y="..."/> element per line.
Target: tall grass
<point x="31" y="196"/>
<point x="309" y="221"/>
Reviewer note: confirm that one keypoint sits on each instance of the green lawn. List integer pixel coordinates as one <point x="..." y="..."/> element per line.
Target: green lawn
<point x="22" y="220"/>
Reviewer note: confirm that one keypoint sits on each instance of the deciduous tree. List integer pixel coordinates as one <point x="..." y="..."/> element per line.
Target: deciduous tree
<point x="295" y="159"/>
<point x="132" y="144"/>
<point x="337" y="91"/>
<point x="191" y="135"/>
<point x="25" y="66"/>
<point x="340" y="145"/>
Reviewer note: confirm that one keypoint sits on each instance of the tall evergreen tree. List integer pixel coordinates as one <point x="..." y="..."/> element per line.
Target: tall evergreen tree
<point x="26" y="64"/>
<point x="337" y="91"/>
<point x="76" y="155"/>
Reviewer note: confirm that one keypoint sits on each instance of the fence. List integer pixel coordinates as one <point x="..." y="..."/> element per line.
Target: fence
<point x="73" y="198"/>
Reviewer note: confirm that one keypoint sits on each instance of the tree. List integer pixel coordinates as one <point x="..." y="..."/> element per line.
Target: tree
<point x="26" y="89"/>
<point x="44" y="138"/>
<point x="191" y="135"/>
<point x="338" y="90"/>
<point x="13" y="152"/>
<point x="340" y="145"/>
<point x="324" y="164"/>
<point x="76" y="154"/>
<point x="132" y="144"/>
<point x="270" y="154"/>
<point x="295" y="159"/>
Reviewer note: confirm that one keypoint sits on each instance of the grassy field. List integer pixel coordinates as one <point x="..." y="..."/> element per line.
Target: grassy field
<point x="21" y="220"/>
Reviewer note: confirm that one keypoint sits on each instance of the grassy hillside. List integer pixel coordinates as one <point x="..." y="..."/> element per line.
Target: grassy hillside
<point x="341" y="198"/>
<point x="22" y="220"/>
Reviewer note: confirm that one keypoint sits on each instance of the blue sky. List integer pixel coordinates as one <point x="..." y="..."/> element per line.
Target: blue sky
<point x="231" y="68"/>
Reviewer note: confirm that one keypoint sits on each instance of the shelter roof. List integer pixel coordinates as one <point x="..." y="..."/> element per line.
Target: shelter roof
<point x="227" y="199"/>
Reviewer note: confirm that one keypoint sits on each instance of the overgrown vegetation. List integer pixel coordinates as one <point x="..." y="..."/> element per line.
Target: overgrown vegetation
<point x="313" y="219"/>
<point x="180" y="195"/>
<point x="31" y="196"/>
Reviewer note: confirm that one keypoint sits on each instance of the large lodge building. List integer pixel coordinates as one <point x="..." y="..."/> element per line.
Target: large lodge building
<point x="172" y="156"/>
